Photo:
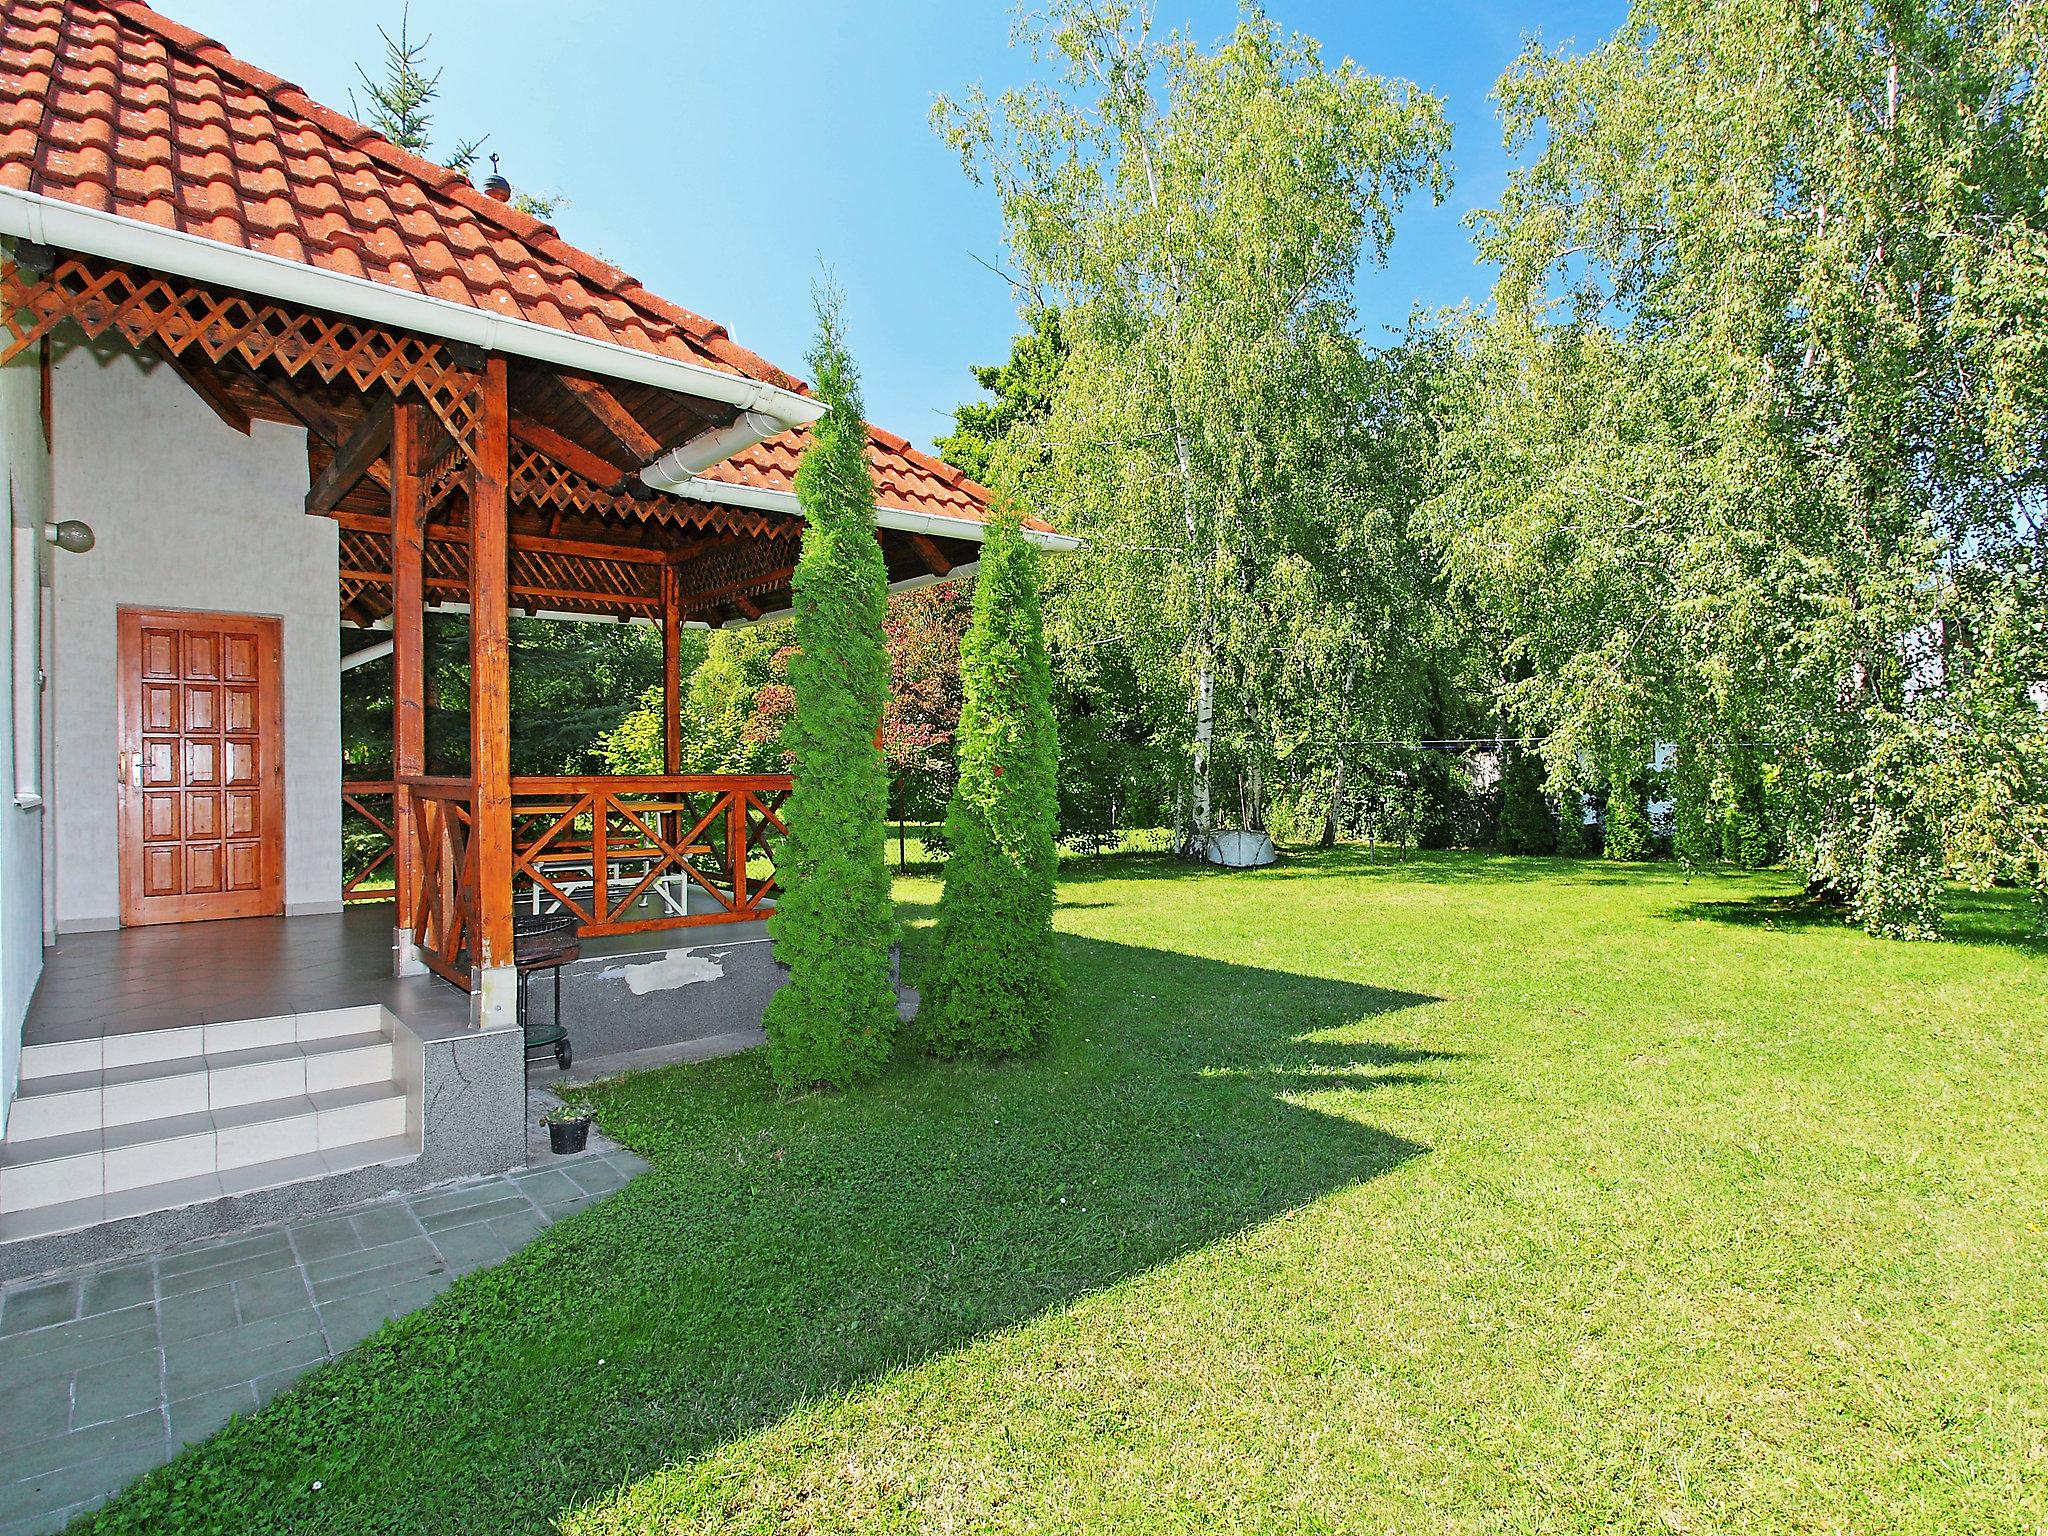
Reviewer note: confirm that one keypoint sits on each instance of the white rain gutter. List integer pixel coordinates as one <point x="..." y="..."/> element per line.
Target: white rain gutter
<point x="765" y="499"/>
<point x="682" y="462"/>
<point x="375" y="651"/>
<point x="66" y="226"/>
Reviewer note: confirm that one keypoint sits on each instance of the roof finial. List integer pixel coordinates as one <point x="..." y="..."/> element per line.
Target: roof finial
<point x="495" y="185"/>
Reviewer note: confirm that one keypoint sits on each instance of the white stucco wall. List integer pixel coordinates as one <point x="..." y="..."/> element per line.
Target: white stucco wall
<point x="25" y="472"/>
<point x="189" y="514"/>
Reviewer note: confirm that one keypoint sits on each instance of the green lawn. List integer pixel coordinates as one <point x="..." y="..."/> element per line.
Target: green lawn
<point x="1462" y="1194"/>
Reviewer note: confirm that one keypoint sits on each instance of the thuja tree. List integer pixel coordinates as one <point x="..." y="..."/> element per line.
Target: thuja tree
<point x="1525" y="821"/>
<point x="994" y="985"/>
<point x="1627" y="834"/>
<point x="835" y="1019"/>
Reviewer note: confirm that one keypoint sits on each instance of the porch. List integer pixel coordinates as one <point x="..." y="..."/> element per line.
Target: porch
<point x="283" y="475"/>
<point x="180" y="1081"/>
<point x="246" y="476"/>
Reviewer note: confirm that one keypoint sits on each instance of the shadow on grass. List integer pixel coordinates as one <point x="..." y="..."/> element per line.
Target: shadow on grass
<point x="1998" y="918"/>
<point x="781" y="1252"/>
<point x="1418" y="866"/>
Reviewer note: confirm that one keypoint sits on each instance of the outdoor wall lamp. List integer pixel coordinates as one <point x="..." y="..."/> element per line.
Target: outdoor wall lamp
<point x="72" y="535"/>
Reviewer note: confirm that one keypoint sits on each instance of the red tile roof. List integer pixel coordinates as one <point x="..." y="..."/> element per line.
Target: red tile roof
<point x="113" y="107"/>
<point x="904" y="477"/>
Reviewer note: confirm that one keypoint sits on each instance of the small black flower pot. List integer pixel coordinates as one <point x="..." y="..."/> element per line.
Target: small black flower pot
<point x="568" y="1135"/>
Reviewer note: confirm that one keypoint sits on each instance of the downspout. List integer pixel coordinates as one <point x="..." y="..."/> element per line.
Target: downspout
<point x="680" y="465"/>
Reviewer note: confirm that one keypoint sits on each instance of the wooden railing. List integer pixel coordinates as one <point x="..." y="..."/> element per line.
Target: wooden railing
<point x="620" y="854"/>
<point x="444" y="859"/>
<point x="370" y="801"/>
<point x="626" y="855"/>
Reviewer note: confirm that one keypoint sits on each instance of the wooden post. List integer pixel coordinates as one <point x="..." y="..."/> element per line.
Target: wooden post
<point x="408" y="674"/>
<point x="671" y="689"/>
<point x="736" y="845"/>
<point x="494" y="981"/>
<point x="671" y="671"/>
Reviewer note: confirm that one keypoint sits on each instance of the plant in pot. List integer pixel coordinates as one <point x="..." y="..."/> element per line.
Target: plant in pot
<point x="568" y="1127"/>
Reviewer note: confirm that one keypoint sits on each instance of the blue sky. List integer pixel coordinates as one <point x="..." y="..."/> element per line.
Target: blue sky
<point x="725" y="158"/>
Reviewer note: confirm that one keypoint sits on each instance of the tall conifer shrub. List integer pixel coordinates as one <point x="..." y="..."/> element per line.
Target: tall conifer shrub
<point x="1525" y="822"/>
<point x="1627" y="833"/>
<point x="1745" y="832"/>
<point x="835" y="1020"/>
<point x="994" y="985"/>
<point x="1695" y="838"/>
<point x="1571" y="814"/>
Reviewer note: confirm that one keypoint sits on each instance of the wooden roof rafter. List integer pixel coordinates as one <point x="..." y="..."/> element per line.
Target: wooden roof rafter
<point x="368" y="444"/>
<point x="203" y="383"/>
<point x="625" y="428"/>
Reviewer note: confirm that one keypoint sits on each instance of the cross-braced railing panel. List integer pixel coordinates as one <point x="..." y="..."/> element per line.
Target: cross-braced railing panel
<point x="446" y="870"/>
<point x="369" y="844"/>
<point x="620" y="855"/>
<point x="627" y="855"/>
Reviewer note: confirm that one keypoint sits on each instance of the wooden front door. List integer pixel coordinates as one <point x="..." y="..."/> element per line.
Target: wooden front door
<point x="202" y="766"/>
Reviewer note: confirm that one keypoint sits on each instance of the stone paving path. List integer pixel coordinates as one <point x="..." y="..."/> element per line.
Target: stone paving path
<point x="104" y="1375"/>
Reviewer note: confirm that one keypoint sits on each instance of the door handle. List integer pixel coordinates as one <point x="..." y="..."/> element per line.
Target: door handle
<point x="130" y="773"/>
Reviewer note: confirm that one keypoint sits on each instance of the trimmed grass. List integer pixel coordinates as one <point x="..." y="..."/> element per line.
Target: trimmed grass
<point x="1461" y="1194"/>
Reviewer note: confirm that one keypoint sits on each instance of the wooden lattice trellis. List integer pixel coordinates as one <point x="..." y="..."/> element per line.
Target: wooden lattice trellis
<point x="737" y="572"/>
<point x="536" y="578"/>
<point x="447" y="477"/>
<point x="539" y="481"/>
<point x="191" y="320"/>
<point x="178" y="316"/>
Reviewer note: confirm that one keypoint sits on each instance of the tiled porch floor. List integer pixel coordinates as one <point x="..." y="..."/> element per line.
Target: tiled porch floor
<point x="177" y="974"/>
<point x="103" y="1376"/>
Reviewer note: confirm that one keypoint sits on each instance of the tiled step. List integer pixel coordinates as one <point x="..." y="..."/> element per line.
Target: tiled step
<point x="125" y="1163"/>
<point x="50" y="1104"/>
<point x="152" y="1120"/>
<point x="147" y="1045"/>
<point x="194" y="1189"/>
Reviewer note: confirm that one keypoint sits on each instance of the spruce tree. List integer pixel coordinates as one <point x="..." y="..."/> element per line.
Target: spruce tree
<point x="835" y="1019"/>
<point x="994" y="986"/>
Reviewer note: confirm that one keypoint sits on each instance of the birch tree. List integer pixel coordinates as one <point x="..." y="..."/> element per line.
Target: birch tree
<point x="1762" y="417"/>
<point x="1197" y="217"/>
